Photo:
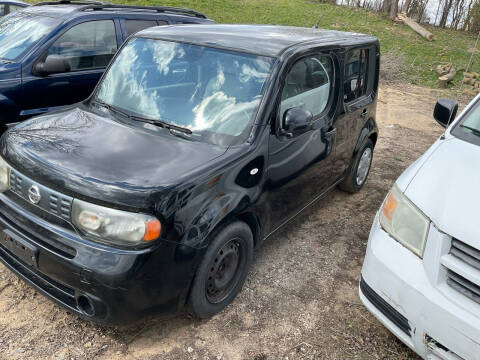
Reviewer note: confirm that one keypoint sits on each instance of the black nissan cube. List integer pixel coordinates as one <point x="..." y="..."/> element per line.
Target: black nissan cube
<point x="198" y="143"/>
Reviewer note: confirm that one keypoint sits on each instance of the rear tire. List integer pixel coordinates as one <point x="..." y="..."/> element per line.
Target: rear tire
<point x="359" y="170"/>
<point x="223" y="270"/>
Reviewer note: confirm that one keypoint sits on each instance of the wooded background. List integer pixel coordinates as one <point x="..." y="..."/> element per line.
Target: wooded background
<point x="455" y="14"/>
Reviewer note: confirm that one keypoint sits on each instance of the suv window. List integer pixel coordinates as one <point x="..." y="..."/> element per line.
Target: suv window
<point x="13" y="8"/>
<point x="20" y="31"/>
<point x="134" y="26"/>
<point x="307" y="85"/>
<point x="2" y="9"/>
<point x="355" y="83"/>
<point x="90" y="44"/>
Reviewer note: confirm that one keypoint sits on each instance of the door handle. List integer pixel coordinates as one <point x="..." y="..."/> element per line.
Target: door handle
<point x="328" y="135"/>
<point x="364" y="113"/>
<point x="330" y="132"/>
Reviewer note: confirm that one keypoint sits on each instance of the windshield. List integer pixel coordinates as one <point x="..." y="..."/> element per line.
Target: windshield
<point x="214" y="93"/>
<point x="19" y="31"/>
<point x="469" y="127"/>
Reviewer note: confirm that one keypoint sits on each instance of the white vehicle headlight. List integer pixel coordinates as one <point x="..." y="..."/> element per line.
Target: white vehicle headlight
<point x="115" y="226"/>
<point x="404" y="221"/>
<point x="4" y="175"/>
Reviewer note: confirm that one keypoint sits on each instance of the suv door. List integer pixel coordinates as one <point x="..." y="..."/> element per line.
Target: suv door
<point x="358" y="76"/>
<point x="300" y="167"/>
<point x="88" y="47"/>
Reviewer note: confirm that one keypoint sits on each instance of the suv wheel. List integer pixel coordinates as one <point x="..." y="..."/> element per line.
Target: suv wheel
<point x="359" y="170"/>
<point x="223" y="270"/>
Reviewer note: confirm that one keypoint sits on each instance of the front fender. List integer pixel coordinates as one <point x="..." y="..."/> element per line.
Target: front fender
<point x="8" y="110"/>
<point x="221" y="208"/>
<point x="370" y="128"/>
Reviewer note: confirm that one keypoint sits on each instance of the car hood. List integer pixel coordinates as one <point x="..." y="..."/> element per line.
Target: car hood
<point x="447" y="188"/>
<point x="92" y="156"/>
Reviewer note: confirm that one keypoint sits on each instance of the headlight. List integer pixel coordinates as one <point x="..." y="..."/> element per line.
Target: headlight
<point x="115" y="226"/>
<point x="4" y="175"/>
<point x="404" y="221"/>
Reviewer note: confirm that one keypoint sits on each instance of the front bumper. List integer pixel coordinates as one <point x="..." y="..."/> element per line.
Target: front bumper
<point x="425" y="313"/>
<point x="102" y="284"/>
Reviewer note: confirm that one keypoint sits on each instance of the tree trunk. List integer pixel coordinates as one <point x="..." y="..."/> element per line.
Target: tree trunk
<point x="438" y="10"/>
<point x="446" y="10"/>
<point x="405" y="6"/>
<point x="393" y="9"/>
<point x="416" y="27"/>
<point x="445" y="79"/>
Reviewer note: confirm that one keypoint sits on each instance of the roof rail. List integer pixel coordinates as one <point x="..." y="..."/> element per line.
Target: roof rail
<point x="63" y="2"/>
<point x="161" y="9"/>
<point x="98" y="5"/>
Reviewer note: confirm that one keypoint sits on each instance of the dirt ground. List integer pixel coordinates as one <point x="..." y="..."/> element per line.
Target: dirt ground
<point x="300" y="299"/>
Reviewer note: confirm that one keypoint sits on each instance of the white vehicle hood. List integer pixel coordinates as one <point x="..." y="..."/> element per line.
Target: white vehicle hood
<point x="446" y="187"/>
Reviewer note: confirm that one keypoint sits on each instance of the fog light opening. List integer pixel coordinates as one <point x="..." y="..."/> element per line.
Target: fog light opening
<point x="85" y="305"/>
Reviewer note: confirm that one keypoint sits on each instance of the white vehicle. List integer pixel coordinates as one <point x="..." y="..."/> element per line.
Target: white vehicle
<point x="421" y="274"/>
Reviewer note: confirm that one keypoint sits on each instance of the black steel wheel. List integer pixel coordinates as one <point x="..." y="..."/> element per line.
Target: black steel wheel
<point x="221" y="276"/>
<point x="223" y="269"/>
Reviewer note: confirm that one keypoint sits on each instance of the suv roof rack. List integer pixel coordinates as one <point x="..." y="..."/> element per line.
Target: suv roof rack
<point x="63" y="2"/>
<point x="98" y="5"/>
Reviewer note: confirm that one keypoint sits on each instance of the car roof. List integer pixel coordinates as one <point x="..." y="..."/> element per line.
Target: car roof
<point x="69" y="9"/>
<point x="267" y="40"/>
<point x="14" y="2"/>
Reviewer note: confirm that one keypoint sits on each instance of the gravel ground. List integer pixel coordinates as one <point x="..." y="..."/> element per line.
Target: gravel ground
<point x="300" y="299"/>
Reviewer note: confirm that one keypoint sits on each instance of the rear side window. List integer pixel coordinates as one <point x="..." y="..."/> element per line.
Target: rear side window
<point x="307" y="85"/>
<point x="134" y="26"/>
<point x="355" y="79"/>
<point x="2" y="9"/>
<point x="87" y="45"/>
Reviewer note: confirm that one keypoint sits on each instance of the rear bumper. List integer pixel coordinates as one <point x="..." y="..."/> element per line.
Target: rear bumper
<point x="99" y="283"/>
<point x="405" y="292"/>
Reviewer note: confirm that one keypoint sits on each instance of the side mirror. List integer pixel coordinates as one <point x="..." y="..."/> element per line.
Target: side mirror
<point x="53" y="64"/>
<point x="297" y="121"/>
<point x="445" y="111"/>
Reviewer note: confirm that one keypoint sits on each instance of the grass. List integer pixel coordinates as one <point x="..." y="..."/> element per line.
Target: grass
<point x="419" y="56"/>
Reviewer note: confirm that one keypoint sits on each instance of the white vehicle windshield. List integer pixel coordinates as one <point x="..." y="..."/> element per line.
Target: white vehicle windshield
<point x="19" y="31"/>
<point x="212" y="92"/>
<point x="469" y="127"/>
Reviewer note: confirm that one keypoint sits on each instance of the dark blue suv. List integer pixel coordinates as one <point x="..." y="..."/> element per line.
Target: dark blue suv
<point x="52" y="54"/>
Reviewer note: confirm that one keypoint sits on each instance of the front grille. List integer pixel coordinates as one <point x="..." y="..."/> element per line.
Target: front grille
<point x="386" y="309"/>
<point x="51" y="201"/>
<point x="465" y="253"/>
<point x="465" y="286"/>
<point x="470" y="256"/>
<point x="12" y="215"/>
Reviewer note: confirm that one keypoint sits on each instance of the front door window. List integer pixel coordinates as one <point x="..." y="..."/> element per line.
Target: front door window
<point x="88" y="45"/>
<point x="308" y="85"/>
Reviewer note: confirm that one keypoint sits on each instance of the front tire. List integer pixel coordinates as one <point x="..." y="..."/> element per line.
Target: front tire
<point x="359" y="170"/>
<point x="223" y="270"/>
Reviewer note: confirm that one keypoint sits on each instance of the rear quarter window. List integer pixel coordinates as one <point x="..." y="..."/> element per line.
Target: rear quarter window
<point x="134" y="26"/>
<point x="355" y="74"/>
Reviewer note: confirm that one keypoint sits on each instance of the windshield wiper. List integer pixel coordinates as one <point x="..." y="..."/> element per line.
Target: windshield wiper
<point x="145" y="120"/>
<point x="161" y="124"/>
<point x="112" y="108"/>
<point x="473" y="130"/>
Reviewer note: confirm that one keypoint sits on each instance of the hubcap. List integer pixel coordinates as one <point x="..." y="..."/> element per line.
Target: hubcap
<point x="221" y="274"/>
<point x="364" y="165"/>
